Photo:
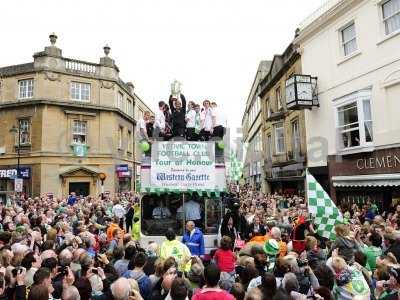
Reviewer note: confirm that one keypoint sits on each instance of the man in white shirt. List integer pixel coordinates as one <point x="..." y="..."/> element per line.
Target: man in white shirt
<point x="190" y="122"/>
<point x="207" y="121"/>
<point x="220" y="121"/>
<point x="143" y="136"/>
<point x="192" y="212"/>
<point x="161" y="211"/>
<point x="119" y="212"/>
<point x="159" y="123"/>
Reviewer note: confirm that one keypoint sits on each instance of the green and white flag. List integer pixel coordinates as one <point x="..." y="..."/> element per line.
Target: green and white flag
<point x="321" y="207"/>
<point x="236" y="167"/>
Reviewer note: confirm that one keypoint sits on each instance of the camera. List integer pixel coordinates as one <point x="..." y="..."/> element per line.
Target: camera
<point x="16" y="271"/>
<point x="302" y="262"/>
<point x="62" y="270"/>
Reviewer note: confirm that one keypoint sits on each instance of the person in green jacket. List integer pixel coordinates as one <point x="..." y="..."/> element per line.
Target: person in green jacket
<point x="136" y="229"/>
<point x="176" y="249"/>
<point x="373" y="251"/>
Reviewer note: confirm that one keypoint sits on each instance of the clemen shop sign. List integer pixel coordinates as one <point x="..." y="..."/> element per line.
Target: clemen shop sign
<point x="385" y="161"/>
<point x="391" y="161"/>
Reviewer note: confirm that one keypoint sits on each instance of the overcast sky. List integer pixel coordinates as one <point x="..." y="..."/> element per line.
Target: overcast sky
<point x="212" y="46"/>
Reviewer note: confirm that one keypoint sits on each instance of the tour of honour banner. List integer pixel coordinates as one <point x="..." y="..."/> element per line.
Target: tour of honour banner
<point x="183" y="165"/>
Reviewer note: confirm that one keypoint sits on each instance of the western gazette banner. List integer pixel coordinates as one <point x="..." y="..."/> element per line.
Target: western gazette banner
<point x="183" y="165"/>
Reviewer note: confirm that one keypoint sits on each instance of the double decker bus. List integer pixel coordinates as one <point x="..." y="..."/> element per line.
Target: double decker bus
<point x="182" y="181"/>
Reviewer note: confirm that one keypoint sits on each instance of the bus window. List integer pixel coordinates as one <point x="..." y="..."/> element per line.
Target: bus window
<point x="160" y="213"/>
<point x="213" y="215"/>
<point x="170" y="211"/>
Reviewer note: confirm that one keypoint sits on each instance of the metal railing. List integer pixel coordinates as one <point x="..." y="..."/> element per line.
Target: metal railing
<point x="324" y="8"/>
<point x="80" y="66"/>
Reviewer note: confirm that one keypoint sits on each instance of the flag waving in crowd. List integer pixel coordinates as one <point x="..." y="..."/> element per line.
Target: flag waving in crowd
<point x="321" y="207"/>
<point x="236" y="167"/>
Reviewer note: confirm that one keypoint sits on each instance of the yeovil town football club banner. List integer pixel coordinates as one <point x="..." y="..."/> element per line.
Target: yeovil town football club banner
<point x="183" y="165"/>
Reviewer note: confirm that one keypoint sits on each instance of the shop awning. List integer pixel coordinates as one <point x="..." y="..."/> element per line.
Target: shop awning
<point x="366" y="180"/>
<point x="207" y="192"/>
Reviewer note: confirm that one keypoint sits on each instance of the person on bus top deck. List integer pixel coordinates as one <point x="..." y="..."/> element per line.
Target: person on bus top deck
<point x="190" y="119"/>
<point x="193" y="238"/>
<point x="150" y="127"/>
<point x="143" y="134"/>
<point x="161" y="211"/>
<point x="168" y="123"/>
<point x="178" y="109"/>
<point x="220" y="121"/>
<point x="159" y="122"/>
<point x="207" y="121"/>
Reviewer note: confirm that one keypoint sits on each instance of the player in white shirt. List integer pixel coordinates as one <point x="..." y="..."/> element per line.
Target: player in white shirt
<point x="190" y="119"/>
<point x="143" y="136"/>
<point x="159" y="123"/>
<point x="220" y="121"/>
<point x="207" y="121"/>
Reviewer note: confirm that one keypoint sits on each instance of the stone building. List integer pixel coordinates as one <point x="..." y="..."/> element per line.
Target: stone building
<point x="70" y="121"/>
<point x="252" y="132"/>
<point x="352" y="47"/>
<point x="283" y="130"/>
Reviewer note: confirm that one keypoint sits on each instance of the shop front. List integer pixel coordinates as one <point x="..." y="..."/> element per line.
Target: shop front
<point x="7" y="180"/>
<point x="286" y="180"/>
<point x="364" y="178"/>
<point x="124" y="176"/>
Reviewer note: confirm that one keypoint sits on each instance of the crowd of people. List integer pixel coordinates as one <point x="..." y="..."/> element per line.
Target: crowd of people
<point x="177" y="121"/>
<point x="90" y="248"/>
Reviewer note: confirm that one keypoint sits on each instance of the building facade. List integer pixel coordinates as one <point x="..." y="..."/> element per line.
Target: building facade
<point x="283" y="129"/>
<point x="252" y="133"/>
<point x="352" y="47"/>
<point x="70" y="121"/>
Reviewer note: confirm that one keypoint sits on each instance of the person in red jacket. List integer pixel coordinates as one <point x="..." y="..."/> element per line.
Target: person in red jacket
<point x="211" y="291"/>
<point x="224" y="256"/>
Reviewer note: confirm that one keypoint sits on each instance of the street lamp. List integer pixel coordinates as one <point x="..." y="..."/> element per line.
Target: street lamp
<point x="102" y="177"/>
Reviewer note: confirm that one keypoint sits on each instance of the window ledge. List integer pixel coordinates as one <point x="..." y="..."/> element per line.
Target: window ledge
<point x="348" y="57"/>
<point x="73" y="145"/>
<point x="358" y="149"/>
<point x="279" y="154"/>
<point x="78" y="100"/>
<point x="388" y="37"/>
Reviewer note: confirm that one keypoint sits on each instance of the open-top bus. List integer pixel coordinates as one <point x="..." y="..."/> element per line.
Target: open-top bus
<point x="182" y="181"/>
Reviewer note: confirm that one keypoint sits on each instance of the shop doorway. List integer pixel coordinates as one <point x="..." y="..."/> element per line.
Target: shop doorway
<point x="80" y="188"/>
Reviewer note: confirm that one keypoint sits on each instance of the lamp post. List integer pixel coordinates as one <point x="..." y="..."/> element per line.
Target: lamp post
<point x="17" y="130"/>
